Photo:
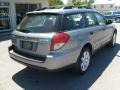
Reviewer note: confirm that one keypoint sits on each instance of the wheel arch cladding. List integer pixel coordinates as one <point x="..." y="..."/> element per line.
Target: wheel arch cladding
<point x="88" y="45"/>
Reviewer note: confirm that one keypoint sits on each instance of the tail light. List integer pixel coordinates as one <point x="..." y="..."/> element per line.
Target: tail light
<point x="59" y="40"/>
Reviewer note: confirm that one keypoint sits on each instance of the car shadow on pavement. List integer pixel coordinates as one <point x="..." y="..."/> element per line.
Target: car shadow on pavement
<point x="32" y="79"/>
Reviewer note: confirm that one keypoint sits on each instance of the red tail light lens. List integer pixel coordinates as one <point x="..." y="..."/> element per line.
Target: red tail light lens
<point x="59" y="40"/>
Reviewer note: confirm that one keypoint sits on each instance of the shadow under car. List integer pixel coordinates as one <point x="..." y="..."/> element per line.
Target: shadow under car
<point x="33" y="79"/>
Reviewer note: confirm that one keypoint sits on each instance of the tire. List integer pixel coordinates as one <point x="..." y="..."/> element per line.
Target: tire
<point x="83" y="61"/>
<point x="117" y="20"/>
<point x="113" y="41"/>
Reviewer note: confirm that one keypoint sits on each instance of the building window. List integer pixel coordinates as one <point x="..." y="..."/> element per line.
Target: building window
<point x="4" y="16"/>
<point x="111" y="6"/>
<point x="4" y="4"/>
<point x="115" y="7"/>
<point x="40" y="6"/>
<point x="22" y="9"/>
<point x="102" y="6"/>
<point x="32" y="7"/>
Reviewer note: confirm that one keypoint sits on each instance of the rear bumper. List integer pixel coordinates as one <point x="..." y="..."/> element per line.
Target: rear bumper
<point x="51" y="62"/>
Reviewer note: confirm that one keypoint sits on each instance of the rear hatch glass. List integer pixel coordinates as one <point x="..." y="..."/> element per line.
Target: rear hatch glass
<point x="39" y="23"/>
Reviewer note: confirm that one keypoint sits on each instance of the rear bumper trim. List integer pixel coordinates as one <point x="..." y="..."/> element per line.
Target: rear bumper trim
<point x="52" y="62"/>
<point x="13" y="54"/>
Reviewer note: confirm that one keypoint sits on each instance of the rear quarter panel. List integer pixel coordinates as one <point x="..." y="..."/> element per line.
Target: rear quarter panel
<point x="78" y="38"/>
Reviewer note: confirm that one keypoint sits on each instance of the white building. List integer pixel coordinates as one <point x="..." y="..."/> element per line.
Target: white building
<point x="12" y="11"/>
<point x="103" y="5"/>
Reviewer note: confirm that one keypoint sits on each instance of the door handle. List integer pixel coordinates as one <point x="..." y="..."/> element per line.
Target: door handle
<point x="103" y="29"/>
<point x="91" y="32"/>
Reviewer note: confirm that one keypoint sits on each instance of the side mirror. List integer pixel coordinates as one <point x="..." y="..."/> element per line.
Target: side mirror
<point x="109" y="22"/>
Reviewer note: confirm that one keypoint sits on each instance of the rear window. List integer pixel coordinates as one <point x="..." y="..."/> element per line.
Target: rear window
<point x="42" y="23"/>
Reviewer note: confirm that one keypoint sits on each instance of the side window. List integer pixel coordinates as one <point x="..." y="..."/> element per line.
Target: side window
<point x="100" y="19"/>
<point x="74" y="21"/>
<point x="90" y="20"/>
<point x="118" y="12"/>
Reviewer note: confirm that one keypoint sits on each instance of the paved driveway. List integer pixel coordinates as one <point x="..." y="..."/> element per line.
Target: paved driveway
<point x="104" y="73"/>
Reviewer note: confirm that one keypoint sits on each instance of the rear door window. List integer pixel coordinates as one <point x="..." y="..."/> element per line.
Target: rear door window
<point x="73" y="21"/>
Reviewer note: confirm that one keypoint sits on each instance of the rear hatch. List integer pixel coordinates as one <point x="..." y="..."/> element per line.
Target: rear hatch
<point x="35" y="32"/>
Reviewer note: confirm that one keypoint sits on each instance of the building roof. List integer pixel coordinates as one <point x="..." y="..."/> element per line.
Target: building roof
<point x="117" y="4"/>
<point x="104" y="2"/>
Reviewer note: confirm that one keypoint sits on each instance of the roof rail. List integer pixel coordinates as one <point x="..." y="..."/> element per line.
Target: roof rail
<point x="38" y="9"/>
<point x="64" y="7"/>
<point x="77" y="7"/>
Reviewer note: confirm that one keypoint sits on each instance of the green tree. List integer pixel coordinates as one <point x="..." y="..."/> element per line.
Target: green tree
<point x="69" y="2"/>
<point x="81" y="2"/>
<point x="55" y="2"/>
<point x="76" y="2"/>
<point x="90" y="2"/>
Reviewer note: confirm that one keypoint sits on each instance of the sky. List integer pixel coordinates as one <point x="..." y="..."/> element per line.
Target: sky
<point x="117" y="1"/>
<point x="65" y="1"/>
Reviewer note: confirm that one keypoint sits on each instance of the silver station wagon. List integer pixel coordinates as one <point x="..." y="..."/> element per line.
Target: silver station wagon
<point x="52" y="39"/>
